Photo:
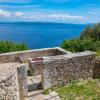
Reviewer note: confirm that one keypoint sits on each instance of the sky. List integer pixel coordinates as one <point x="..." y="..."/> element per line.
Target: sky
<point x="66" y="11"/>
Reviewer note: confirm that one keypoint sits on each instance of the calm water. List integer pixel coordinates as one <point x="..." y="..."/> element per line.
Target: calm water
<point x="39" y="35"/>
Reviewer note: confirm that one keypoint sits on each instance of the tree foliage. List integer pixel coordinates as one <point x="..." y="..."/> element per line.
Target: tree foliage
<point x="93" y="32"/>
<point x="86" y="33"/>
<point x="8" y="46"/>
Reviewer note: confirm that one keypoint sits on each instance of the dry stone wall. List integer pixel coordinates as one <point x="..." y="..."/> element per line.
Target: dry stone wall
<point x="9" y="87"/>
<point x="13" y="81"/>
<point x="13" y="76"/>
<point x="62" y="70"/>
<point x="58" y="67"/>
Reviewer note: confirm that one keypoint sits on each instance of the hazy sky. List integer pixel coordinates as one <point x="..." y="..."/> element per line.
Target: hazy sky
<point x="70" y="11"/>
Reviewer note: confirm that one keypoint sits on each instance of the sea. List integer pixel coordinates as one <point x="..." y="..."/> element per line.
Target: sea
<point x="38" y="35"/>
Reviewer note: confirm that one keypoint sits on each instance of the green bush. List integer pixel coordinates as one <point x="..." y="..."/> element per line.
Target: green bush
<point x="77" y="45"/>
<point x="8" y="46"/>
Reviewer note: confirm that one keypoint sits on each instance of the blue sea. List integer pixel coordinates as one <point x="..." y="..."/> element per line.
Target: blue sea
<point x="40" y="34"/>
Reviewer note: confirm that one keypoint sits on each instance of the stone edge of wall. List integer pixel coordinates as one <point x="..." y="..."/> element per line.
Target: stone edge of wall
<point x="69" y="55"/>
<point x="23" y="56"/>
<point x="35" y="50"/>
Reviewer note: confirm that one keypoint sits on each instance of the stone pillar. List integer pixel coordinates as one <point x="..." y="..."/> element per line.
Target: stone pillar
<point x="46" y="81"/>
<point x="23" y="82"/>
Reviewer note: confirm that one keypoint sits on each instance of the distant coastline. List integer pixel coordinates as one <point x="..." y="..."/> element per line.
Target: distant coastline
<point x="15" y="22"/>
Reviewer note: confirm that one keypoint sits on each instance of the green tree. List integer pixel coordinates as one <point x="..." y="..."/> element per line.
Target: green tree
<point x="86" y="33"/>
<point x="93" y="32"/>
<point x="96" y="32"/>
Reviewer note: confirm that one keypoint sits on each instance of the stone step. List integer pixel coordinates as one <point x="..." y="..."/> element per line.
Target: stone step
<point x="34" y="86"/>
<point x="34" y="93"/>
<point x="34" y="82"/>
<point x="38" y="95"/>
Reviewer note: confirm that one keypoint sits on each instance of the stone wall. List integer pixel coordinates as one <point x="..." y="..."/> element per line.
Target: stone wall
<point x="58" y="67"/>
<point x="23" y="56"/>
<point x="9" y="87"/>
<point x="13" y="76"/>
<point x="63" y="69"/>
<point x="13" y="81"/>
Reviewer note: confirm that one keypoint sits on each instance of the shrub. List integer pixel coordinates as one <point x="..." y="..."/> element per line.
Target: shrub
<point x="77" y="45"/>
<point x="8" y="46"/>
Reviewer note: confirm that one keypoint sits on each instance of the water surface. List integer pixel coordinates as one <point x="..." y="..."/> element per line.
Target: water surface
<point x="39" y="35"/>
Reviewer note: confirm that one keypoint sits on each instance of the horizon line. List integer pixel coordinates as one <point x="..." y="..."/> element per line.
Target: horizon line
<point x="43" y="22"/>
